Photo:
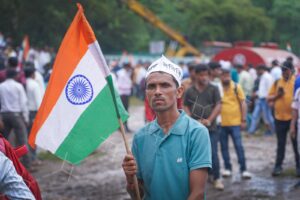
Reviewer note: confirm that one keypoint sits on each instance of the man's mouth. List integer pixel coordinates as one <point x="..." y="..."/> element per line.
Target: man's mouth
<point x="158" y="100"/>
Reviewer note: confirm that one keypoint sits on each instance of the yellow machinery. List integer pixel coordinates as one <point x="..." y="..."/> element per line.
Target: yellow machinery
<point x="186" y="47"/>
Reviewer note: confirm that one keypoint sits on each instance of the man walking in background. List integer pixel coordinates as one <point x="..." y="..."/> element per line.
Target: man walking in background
<point x="124" y="83"/>
<point x="203" y="103"/>
<point x="261" y="104"/>
<point x="14" y="110"/>
<point x="233" y="115"/>
<point x="281" y="96"/>
<point x="34" y="97"/>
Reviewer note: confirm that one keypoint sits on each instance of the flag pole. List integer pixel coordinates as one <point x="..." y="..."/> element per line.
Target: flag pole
<point x="122" y="130"/>
<point x="135" y="181"/>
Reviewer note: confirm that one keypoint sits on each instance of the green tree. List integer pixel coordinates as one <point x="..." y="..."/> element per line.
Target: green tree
<point x="286" y="15"/>
<point x="226" y="20"/>
<point x="47" y="21"/>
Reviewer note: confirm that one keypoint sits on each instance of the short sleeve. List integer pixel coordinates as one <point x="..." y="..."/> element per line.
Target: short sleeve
<point x="134" y="150"/>
<point x="296" y="103"/>
<point x="272" y="89"/>
<point x="217" y="97"/>
<point x="240" y="91"/>
<point x="186" y="98"/>
<point x="200" y="149"/>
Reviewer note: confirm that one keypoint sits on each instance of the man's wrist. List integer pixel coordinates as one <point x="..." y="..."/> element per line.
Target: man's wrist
<point x="208" y="122"/>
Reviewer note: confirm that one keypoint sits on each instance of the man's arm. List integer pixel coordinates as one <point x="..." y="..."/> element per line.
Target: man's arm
<point x="244" y="113"/>
<point x="293" y="123"/>
<point x="11" y="183"/>
<point x="198" y="180"/>
<point x="215" y="112"/>
<point x="130" y="170"/>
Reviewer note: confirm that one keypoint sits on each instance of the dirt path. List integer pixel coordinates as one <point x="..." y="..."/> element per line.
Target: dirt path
<point x="100" y="175"/>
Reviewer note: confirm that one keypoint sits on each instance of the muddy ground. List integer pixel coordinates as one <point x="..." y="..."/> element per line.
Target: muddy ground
<point x="100" y="176"/>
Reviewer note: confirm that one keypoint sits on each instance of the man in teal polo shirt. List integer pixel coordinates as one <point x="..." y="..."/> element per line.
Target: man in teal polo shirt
<point x="172" y="154"/>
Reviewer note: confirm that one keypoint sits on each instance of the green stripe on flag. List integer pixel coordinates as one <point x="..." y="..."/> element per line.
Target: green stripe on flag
<point x="94" y="125"/>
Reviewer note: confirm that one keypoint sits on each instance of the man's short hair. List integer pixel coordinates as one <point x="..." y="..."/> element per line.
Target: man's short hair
<point x="29" y="64"/>
<point x="201" y="68"/>
<point x="250" y="65"/>
<point x="238" y="66"/>
<point x="290" y="59"/>
<point x="127" y="65"/>
<point x="214" y="65"/>
<point x="262" y="67"/>
<point x="29" y="71"/>
<point x="191" y="66"/>
<point x="287" y="65"/>
<point x="275" y="62"/>
<point x="13" y="62"/>
<point x="11" y="73"/>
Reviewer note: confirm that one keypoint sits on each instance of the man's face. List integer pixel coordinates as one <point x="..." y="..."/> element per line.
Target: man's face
<point x="192" y="75"/>
<point x="225" y="78"/>
<point x="161" y="91"/>
<point x="286" y="73"/>
<point x="216" y="72"/>
<point x="260" y="72"/>
<point x="202" y="78"/>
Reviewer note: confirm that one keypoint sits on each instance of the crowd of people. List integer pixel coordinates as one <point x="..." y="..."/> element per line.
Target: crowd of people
<point x="22" y="86"/>
<point x="230" y="98"/>
<point x="23" y="79"/>
<point x="226" y="98"/>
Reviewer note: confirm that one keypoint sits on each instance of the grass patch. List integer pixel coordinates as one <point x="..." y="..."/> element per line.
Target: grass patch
<point x="46" y="155"/>
<point x="289" y="172"/>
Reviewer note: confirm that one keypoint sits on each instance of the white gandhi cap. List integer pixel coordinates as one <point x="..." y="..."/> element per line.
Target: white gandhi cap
<point x="165" y="65"/>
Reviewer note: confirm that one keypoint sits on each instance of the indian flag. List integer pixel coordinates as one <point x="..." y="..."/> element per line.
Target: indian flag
<point x="26" y="47"/>
<point x="80" y="108"/>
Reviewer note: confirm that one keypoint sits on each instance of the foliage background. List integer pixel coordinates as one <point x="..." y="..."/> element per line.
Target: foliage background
<point x="117" y="28"/>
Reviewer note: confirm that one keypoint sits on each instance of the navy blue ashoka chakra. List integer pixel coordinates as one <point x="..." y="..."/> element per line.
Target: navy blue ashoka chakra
<point x="79" y="90"/>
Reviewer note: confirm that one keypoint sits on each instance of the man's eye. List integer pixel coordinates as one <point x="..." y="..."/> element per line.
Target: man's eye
<point x="150" y="87"/>
<point x="165" y="85"/>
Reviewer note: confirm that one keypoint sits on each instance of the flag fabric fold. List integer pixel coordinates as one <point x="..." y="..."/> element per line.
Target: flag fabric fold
<point x="81" y="107"/>
<point x="25" y="47"/>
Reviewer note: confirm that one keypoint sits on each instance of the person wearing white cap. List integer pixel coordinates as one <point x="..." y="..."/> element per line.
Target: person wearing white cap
<point x="172" y="154"/>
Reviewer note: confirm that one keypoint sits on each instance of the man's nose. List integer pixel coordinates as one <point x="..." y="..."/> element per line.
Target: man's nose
<point x="157" y="91"/>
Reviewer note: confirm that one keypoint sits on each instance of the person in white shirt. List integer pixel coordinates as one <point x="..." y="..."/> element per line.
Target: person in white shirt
<point x="43" y="58"/>
<point x="252" y="71"/>
<point x="124" y="83"/>
<point x="37" y="77"/>
<point x="276" y="70"/>
<point x="34" y="101"/>
<point x="14" y="110"/>
<point x="261" y="104"/>
<point x="245" y="80"/>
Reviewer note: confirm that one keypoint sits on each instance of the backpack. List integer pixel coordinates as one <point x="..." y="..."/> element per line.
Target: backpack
<point x="14" y="155"/>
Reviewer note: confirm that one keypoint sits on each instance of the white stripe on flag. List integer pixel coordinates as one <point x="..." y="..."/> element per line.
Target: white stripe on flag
<point x="64" y="115"/>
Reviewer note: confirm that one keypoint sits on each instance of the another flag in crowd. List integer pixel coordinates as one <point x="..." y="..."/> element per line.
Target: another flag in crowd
<point x="26" y="47"/>
<point x="81" y="107"/>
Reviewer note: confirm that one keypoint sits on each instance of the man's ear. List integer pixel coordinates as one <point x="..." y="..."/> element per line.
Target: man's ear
<point x="179" y="92"/>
